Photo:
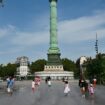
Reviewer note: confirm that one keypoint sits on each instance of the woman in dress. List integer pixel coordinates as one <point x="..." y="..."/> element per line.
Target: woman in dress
<point x="66" y="88"/>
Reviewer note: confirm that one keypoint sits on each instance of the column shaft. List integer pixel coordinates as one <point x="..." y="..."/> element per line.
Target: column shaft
<point x="53" y="27"/>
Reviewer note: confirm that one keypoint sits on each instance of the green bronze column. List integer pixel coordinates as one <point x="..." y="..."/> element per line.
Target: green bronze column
<point x="53" y="52"/>
<point x="53" y="27"/>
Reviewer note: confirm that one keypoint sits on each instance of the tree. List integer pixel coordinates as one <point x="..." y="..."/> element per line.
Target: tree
<point x="96" y="67"/>
<point x="38" y="65"/>
<point x="81" y="71"/>
<point x="77" y="71"/>
<point x="11" y="69"/>
<point x="7" y="70"/>
<point x="68" y="65"/>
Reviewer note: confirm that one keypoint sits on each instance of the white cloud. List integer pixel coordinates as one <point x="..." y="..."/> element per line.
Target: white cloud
<point x="5" y="31"/>
<point x="83" y="28"/>
<point x="69" y="31"/>
<point x="11" y="51"/>
<point x="27" y="38"/>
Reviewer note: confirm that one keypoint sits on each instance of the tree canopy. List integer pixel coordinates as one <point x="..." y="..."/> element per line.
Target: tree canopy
<point x="68" y="65"/>
<point x="7" y="70"/>
<point x="96" y="67"/>
<point x="38" y="65"/>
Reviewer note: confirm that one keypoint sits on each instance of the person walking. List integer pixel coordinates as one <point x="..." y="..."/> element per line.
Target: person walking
<point x="39" y="80"/>
<point x="8" y="80"/>
<point x="33" y="86"/>
<point x="86" y="89"/>
<point x="49" y="81"/>
<point x="66" y="88"/>
<point x="10" y="86"/>
<point x="83" y="88"/>
<point x="91" y="90"/>
<point x="94" y="82"/>
<point x="46" y="80"/>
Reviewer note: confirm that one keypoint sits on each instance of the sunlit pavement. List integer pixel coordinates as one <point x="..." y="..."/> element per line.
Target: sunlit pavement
<point x="53" y="95"/>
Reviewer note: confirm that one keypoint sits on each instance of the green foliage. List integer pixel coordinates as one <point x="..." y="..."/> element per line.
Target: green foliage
<point x="37" y="65"/>
<point x="96" y="67"/>
<point x="68" y="65"/>
<point x="7" y="70"/>
<point x="77" y="70"/>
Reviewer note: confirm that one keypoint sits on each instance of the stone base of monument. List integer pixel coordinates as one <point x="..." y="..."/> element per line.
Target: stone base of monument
<point x="53" y="68"/>
<point x="55" y="72"/>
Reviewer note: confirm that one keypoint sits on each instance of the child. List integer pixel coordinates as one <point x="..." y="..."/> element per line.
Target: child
<point x="33" y="86"/>
<point x="94" y="82"/>
<point x="66" y="88"/>
<point x="91" y="89"/>
<point x="49" y="83"/>
<point x="39" y="80"/>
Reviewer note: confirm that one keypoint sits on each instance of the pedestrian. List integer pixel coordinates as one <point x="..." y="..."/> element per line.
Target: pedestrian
<point x="83" y="88"/>
<point x="49" y="78"/>
<point x="94" y="82"/>
<point x="38" y="81"/>
<point x="33" y="86"/>
<point x="66" y="88"/>
<point x="79" y="83"/>
<point x="8" y="80"/>
<point x="86" y="89"/>
<point x="49" y="81"/>
<point x="10" y="86"/>
<point x="65" y="79"/>
<point x="91" y="90"/>
<point x="46" y="80"/>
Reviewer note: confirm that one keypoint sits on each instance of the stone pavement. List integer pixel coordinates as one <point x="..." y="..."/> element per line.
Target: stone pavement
<point x="53" y="95"/>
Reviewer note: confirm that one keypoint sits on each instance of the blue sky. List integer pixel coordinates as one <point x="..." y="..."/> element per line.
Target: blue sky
<point x="24" y="28"/>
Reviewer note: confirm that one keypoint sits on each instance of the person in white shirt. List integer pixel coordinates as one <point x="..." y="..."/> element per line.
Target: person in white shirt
<point x="49" y="83"/>
<point x="66" y="88"/>
<point x="33" y="85"/>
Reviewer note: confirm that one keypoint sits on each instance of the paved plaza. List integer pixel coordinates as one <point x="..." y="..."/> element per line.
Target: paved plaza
<point x="45" y="95"/>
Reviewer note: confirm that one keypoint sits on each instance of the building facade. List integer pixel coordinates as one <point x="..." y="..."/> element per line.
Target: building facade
<point x="22" y="66"/>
